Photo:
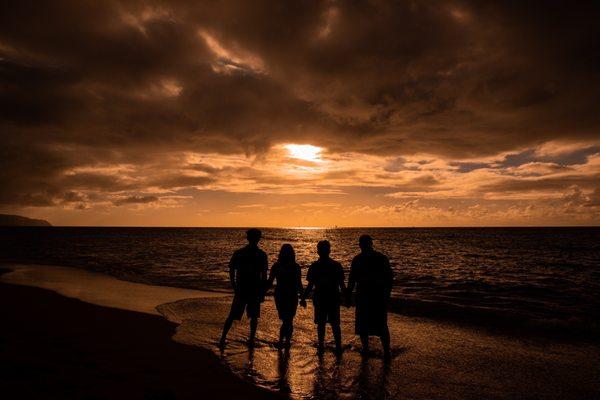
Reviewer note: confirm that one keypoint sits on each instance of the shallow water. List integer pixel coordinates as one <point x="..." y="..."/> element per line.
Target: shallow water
<point x="429" y="360"/>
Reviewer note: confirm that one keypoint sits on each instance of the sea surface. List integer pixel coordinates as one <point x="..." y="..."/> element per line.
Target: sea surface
<point x="544" y="280"/>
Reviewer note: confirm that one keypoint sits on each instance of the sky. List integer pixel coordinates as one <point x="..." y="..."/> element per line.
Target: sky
<point x="300" y="113"/>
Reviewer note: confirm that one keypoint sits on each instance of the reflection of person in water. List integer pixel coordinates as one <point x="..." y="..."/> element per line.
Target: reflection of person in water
<point x="247" y="272"/>
<point x="289" y="286"/>
<point x="327" y="278"/>
<point x="372" y="276"/>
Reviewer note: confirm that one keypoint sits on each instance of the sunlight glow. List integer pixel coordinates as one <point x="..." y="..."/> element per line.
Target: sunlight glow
<point x="304" y="152"/>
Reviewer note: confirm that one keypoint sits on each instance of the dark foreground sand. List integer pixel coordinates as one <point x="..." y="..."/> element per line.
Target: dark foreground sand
<point x="53" y="347"/>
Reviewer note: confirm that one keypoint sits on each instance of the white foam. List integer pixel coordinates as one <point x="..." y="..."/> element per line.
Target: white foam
<point x="99" y="289"/>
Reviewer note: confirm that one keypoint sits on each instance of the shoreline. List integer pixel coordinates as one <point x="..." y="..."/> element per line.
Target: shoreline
<point x="59" y="347"/>
<point x="497" y="322"/>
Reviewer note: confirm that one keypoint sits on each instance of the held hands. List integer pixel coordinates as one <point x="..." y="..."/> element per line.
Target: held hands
<point x="303" y="303"/>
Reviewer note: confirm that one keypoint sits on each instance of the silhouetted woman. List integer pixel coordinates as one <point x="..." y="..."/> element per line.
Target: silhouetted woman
<point x="289" y="286"/>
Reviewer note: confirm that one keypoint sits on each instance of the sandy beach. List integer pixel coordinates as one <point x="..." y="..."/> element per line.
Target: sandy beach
<point x="62" y="347"/>
<point x="54" y="347"/>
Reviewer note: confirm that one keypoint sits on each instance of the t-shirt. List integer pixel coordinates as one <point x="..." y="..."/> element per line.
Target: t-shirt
<point x="327" y="276"/>
<point x="372" y="274"/>
<point x="250" y="266"/>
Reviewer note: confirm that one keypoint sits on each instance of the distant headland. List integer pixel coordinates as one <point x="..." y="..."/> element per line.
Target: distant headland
<point x="17" y="220"/>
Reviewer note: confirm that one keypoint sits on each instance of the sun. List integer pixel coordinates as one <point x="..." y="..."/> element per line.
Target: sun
<point x="305" y="152"/>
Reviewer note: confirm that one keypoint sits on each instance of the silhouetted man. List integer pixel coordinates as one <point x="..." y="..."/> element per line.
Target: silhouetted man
<point x="327" y="278"/>
<point x="248" y="273"/>
<point x="372" y="275"/>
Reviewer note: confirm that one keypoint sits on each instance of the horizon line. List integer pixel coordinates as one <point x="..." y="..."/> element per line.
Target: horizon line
<point x="306" y="227"/>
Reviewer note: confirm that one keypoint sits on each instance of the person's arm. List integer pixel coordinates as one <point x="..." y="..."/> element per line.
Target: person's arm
<point x="299" y="280"/>
<point x="389" y="277"/>
<point x="265" y="267"/>
<point x="263" y="277"/>
<point x="271" y="278"/>
<point x="299" y="286"/>
<point x="351" y="284"/>
<point x="309" y="287"/>
<point x="307" y="291"/>
<point x="341" y="281"/>
<point x="232" y="270"/>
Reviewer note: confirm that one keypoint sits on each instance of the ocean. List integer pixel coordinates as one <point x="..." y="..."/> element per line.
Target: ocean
<point x="543" y="280"/>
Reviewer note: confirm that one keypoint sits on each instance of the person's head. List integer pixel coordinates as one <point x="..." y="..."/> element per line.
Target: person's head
<point x="365" y="242"/>
<point x="253" y="235"/>
<point x="287" y="255"/>
<point x="323" y="248"/>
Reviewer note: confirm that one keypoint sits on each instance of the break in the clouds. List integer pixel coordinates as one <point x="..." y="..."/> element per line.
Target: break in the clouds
<point x="401" y="112"/>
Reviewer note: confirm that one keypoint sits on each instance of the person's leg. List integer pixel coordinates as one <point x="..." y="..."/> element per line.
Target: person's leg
<point x="253" y="326"/>
<point x="337" y="336"/>
<point x="253" y="313"/>
<point x="321" y="334"/>
<point x="289" y="329"/>
<point x="364" y="340"/>
<point x="226" y="328"/>
<point x="282" y="333"/>
<point x="385" y="342"/>
<point x="235" y="313"/>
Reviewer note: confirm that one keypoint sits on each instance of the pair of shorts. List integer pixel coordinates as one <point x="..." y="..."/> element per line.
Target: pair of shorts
<point x="251" y="304"/>
<point x="327" y="312"/>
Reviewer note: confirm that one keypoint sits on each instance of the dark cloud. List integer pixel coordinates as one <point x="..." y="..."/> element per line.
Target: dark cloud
<point x="565" y="158"/>
<point x="178" y="181"/>
<point x="424" y="183"/>
<point x="465" y="167"/>
<point x="135" y="200"/>
<point x="124" y="82"/>
<point x="560" y="184"/>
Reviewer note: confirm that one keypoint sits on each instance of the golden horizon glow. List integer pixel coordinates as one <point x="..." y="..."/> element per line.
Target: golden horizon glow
<point x="306" y="152"/>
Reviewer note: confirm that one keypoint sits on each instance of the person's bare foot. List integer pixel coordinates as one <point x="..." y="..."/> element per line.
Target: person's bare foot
<point x="387" y="356"/>
<point x="320" y="348"/>
<point x="339" y="351"/>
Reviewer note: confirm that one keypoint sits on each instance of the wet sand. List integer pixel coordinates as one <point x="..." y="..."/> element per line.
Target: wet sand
<point x="53" y="347"/>
<point x="59" y="347"/>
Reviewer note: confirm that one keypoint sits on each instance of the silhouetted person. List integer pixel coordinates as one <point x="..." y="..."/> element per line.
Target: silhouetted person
<point x="289" y="286"/>
<point x="372" y="275"/>
<point x="327" y="278"/>
<point x="248" y="273"/>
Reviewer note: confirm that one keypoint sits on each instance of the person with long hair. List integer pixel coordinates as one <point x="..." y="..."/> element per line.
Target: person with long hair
<point x="287" y="291"/>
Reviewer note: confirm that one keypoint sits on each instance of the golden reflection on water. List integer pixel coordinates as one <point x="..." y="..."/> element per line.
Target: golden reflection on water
<point x="300" y="371"/>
